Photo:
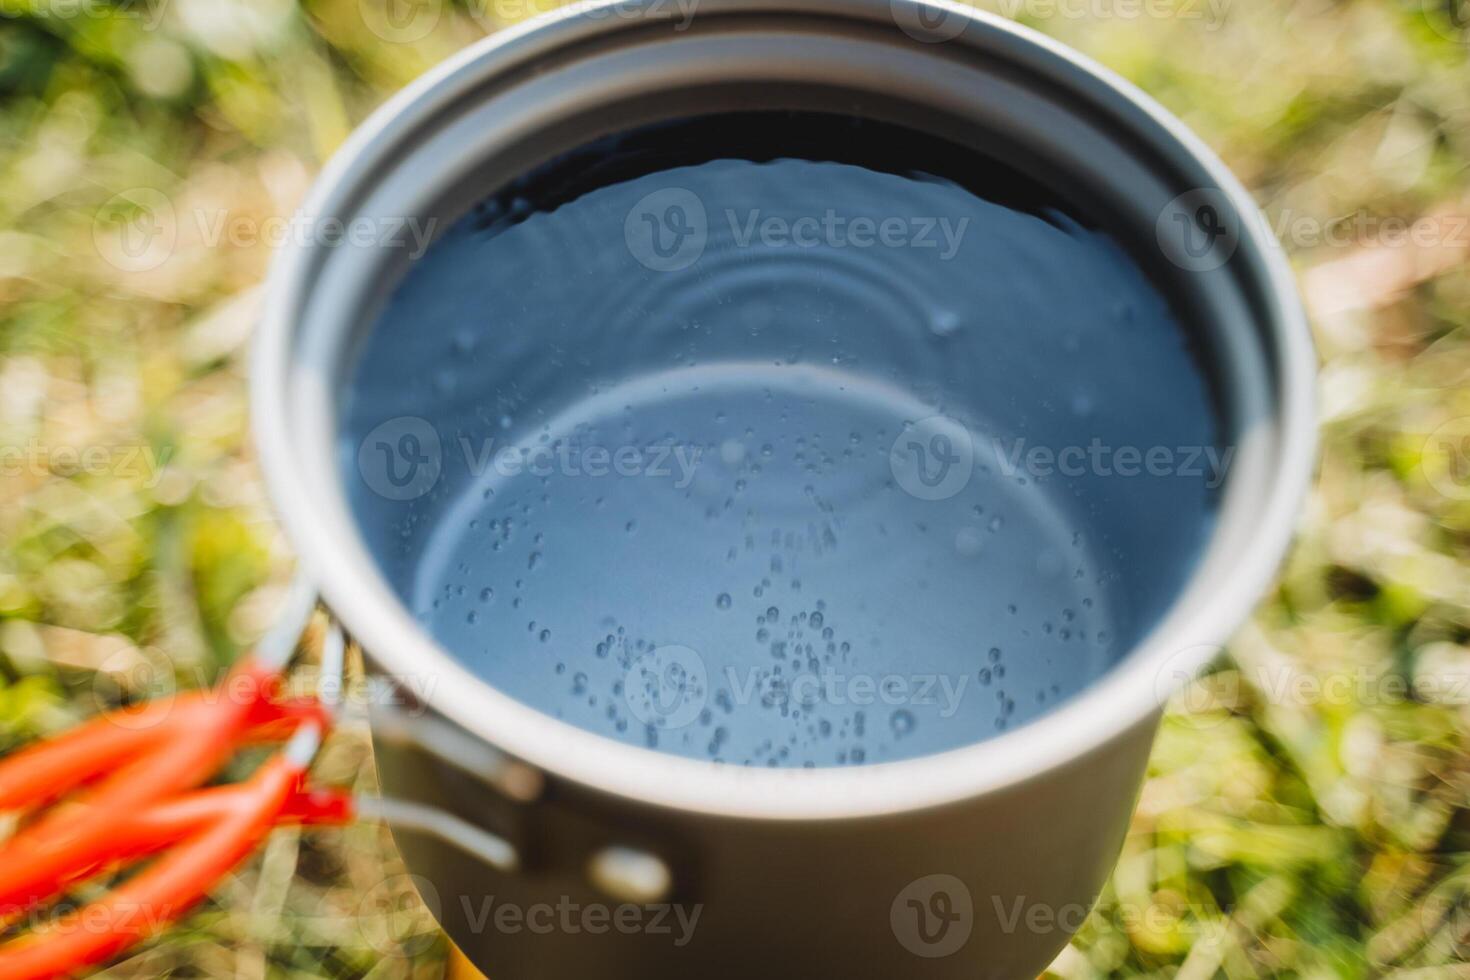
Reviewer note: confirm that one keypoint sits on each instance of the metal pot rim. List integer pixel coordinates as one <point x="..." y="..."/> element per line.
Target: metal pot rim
<point x="1129" y="696"/>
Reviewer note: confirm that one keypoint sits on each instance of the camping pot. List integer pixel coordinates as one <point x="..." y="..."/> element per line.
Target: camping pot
<point x="559" y="853"/>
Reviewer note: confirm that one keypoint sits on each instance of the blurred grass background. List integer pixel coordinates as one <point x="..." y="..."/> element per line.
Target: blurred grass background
<point x="1308" y="812"/>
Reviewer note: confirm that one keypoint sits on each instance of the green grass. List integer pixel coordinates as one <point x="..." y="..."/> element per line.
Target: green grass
<point x="1306" y="834"/>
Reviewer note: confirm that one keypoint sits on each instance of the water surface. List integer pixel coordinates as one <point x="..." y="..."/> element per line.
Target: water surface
<point x="735" y="453"/>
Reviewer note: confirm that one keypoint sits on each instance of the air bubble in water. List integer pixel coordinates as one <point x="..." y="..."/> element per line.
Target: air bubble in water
<point x="968" y="542"/>
<point x="944" y="323"/>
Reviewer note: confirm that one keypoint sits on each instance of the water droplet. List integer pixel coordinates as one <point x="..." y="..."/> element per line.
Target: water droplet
<point x="902" y="722"/>
<point x="944" y="323"/>
<point x="723" y="600"/>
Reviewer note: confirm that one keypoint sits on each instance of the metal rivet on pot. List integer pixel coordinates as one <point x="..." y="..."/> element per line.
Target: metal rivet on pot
<point x="630" y="875"/>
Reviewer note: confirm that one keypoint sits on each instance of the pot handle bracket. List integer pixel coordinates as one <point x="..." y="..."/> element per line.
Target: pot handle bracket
<point x="626" y="873"/>
<point x="396" y="722"/>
